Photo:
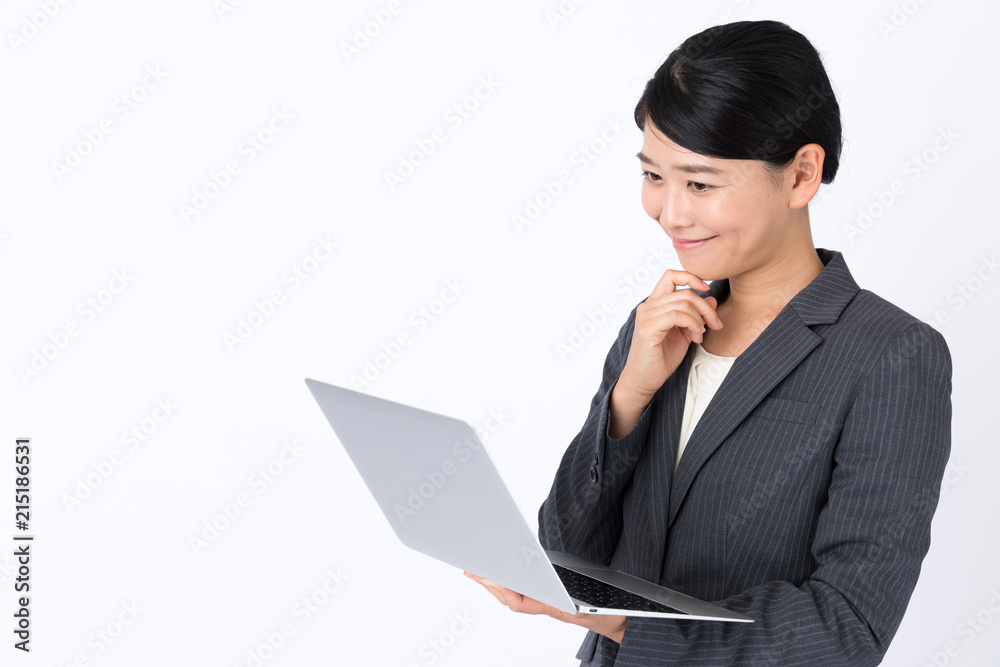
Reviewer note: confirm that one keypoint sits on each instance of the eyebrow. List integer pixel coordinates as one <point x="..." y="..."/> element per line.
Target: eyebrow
<point x="686" y="168"/>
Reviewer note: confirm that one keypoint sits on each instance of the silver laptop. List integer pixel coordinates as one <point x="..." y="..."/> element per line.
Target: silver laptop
<point x="437" y="486"/>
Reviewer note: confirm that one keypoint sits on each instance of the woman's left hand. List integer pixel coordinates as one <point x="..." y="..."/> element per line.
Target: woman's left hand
<point x="612" y="627"/>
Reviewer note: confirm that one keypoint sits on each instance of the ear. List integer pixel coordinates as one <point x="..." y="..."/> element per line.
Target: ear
<point x="807" y="171"/>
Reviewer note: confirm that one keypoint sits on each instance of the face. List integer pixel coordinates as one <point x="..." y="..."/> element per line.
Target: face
<point x="725" y="217"/>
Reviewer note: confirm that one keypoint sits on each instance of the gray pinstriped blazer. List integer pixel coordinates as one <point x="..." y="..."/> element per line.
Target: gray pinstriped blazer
<point x="803" y="499"/>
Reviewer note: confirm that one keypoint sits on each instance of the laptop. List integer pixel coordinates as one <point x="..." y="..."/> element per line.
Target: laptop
<point x="442" y="495"/>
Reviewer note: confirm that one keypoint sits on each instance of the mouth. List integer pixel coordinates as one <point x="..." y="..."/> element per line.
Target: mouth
<point x="690" y="244"/>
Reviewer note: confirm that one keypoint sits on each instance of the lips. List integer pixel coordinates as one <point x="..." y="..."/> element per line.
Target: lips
<point x="690" y="244"/>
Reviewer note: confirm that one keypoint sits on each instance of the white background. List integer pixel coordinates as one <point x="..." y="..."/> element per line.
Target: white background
<point x="189" y="280"/>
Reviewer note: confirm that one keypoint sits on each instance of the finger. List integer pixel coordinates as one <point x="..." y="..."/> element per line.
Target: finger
<point x="669" y="315"/>
<point x="705" y="306"/>
<point x="516" y="601"/>
<point x="512" y="599"/>
<point x="492" y="588"/>
<point x="485" y="582"/>
<point x="504" y="594"/>
<point x="715" y="323"/>
<point x="671" y="278"/>
<point x="498" y="595"/>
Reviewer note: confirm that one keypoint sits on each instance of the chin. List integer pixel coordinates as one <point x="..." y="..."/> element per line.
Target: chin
<point x="707" y="271"/>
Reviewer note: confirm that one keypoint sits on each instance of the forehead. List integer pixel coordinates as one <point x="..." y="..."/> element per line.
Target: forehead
<point x="662" y="152"/>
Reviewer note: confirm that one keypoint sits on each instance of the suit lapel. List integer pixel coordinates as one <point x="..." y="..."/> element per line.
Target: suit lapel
<point x="645" y="560"/>
<point x="776" y="351"/>
<point x="783" y="344"/>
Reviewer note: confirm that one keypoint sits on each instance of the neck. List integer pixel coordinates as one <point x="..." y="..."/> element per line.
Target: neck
<point x="766" y="289"/>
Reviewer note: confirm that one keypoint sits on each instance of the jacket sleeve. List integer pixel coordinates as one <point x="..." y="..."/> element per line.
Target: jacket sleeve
<point x="582" y="514"/>
<point x="872" y="534"/>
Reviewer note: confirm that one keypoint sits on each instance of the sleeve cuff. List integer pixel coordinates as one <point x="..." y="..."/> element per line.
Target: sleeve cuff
<point x="619" y="455"/>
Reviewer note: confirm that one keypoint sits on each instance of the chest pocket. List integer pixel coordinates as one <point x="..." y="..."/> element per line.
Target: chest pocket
<point x="785" y="409"/>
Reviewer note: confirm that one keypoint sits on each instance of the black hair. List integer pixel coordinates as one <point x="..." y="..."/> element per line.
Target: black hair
<point x="752" y="90"/>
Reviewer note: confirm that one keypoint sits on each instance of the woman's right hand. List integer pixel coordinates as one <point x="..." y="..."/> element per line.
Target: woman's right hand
<point x="665" y="325"/>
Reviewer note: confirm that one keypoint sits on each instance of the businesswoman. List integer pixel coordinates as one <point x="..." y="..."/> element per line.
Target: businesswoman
<point x="773" y="441"/>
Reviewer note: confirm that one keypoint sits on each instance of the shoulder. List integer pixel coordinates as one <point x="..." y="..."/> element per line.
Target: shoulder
<point x="863" y="314"/>
<point x="872" y="316"/>
<point x="871" y="328"/>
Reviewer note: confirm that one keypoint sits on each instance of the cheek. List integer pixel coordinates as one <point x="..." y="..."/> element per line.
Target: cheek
<point x="649" y="204"/>
<point x="720" y="214"/>
<point x="744" y="211"/>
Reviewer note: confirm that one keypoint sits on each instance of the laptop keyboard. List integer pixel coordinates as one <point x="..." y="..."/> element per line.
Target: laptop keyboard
<point x="599" y="594"/>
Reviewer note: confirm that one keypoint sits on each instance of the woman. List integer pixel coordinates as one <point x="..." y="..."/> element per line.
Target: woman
<point x="773" y="442"/>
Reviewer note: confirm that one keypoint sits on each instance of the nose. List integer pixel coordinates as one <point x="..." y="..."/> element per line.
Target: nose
<point x="672" y="209"/>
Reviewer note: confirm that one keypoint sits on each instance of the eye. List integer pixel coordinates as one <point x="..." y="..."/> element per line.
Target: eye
<point x="650" y="176"/>
<point x="700" y="187"/>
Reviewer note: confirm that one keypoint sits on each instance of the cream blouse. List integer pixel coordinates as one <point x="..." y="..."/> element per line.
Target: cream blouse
<point x="707" y="373"/>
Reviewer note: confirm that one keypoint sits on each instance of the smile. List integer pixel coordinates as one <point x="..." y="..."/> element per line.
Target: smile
<point x="690" y="245"/>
